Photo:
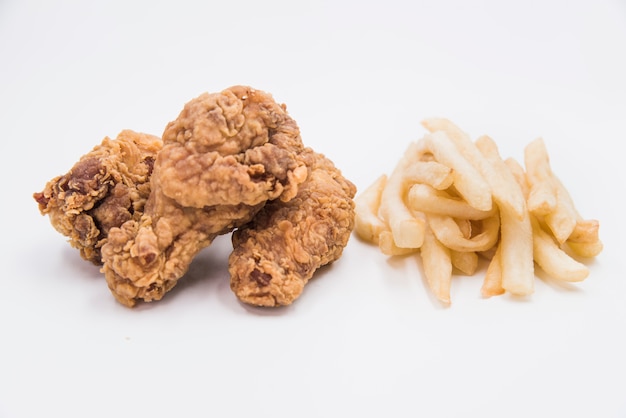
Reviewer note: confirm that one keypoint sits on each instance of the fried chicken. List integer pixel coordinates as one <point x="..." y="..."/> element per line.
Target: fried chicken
<point x="231" y="161"/>
<point x="277" y="253"/>
<point x="223" y="158"/>
<point x="105" y="188"/>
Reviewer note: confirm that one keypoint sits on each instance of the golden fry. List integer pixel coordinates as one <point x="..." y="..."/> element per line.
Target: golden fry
<point x="424" y="198"/>
<point x="585" y="231"/>
<point x="492" y="283"/>
<point x="516" y="258"/>
<point x="553" y="260"/>
<point x="542" y="195"/>
<point x="407" y="229"/>
<point x="388" y="246"/>
<point x="506" y="191"/>
<point x="430" y="173"/>
<point x="368" y="225"/>
<point x="437" y="266"/>
<point x="563" y="218"/>
<point x="585" y="249"/>
<point x="519" y="175"/>
<point x="450" y="234"/>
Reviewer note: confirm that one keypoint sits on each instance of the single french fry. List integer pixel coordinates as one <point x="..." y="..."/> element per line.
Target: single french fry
<point x="542" y="197"/>
<point x="506" y="191"/>
<point x="442" y="124"/>
<point x="424" y="198"/>
<point x="516" y="241"/>
<point x="552" y="259"/>
<point x="467" y="180"/>
<point x="407" y="229"/>
<point x="519" y="174"/>
<point x="437" y="266"/>
<point x="387" y="245"/>
<point x="367" y="224"/>
<point x="464" y="261"/>
<point x="492" y="283"/>
<point x="450" y="234"/>
<point x="431" y="173"/>
<point x="585" y="231"/>
<point x="516" y="257"/>
<point x="585" y="249"/>
<point x="563" y="217"/>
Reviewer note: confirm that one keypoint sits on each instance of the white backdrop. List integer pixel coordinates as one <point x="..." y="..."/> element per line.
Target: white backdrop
<point x="366" y="336"/>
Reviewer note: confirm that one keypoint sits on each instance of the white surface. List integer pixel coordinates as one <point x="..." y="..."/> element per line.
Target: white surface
<point x="366" y="336"/>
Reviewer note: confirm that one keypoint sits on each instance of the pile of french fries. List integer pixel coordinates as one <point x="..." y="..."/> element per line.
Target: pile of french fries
<point x="453" y="200"/>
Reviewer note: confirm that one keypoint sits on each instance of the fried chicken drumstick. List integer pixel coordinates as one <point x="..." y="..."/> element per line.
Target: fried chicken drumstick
<point x="277" y="253"/>
<point x="223" y="158"/>
<point x="105" y="188"/>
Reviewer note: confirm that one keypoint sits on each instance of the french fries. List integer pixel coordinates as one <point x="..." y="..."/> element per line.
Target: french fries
<point x="516" y="245"/>
<point x="451" y="234"/>
<point x="467" y="180"/>
<point x="553" y="260"/>
<point x="437" y="263"/>
<point x="492" y="284"/>
<point x="407" y="229"/>
<point x="516" y="256"/>
<point x="453" y="200"/>
<point x="425" y="198"/>
<point x="367" y="223"/>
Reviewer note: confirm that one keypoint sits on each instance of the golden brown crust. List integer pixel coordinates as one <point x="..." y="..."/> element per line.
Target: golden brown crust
<point x="143" y="208"/>
<point x="105" y="188"/>
<point x="277" y="253"/>
<point x="223" y="158"/>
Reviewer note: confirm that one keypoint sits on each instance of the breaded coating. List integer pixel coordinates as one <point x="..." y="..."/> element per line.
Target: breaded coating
<point x="277" y="253"/>
<point x="105" y="188"/>
<point x="223" y="158"/>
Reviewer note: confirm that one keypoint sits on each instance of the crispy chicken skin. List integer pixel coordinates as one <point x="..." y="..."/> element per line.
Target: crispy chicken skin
<point x="223" y="158"/>
<point x="277" y="253"/>
<point x="105" y="188"/>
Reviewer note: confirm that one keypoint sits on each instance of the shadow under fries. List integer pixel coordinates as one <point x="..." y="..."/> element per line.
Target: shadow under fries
<point x="400" y="262"/>
<point x="555" y="284"/>
<point x="431" y="296"/>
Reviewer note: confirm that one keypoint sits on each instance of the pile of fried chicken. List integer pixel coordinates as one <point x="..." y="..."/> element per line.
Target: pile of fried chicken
<point x="143" y="207"/>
